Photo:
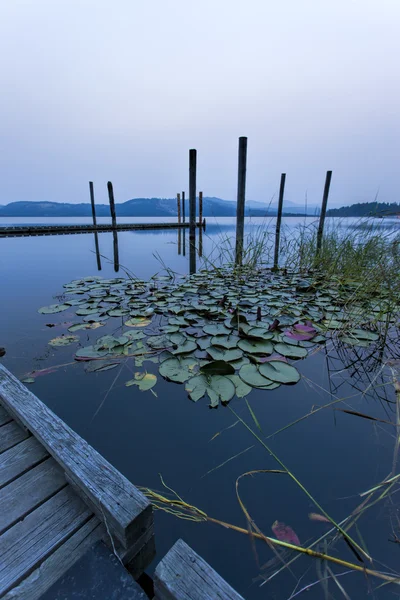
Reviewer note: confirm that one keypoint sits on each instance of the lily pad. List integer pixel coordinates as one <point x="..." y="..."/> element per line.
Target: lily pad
<point x="242" y="389"/>
<point x="226" y="341"/>
<point x="252" y="376"/>
<point x="254" y="346"/>
<point x="218" y="367"/>
<point x="279" y="371"/>
<point x="217" y="387"/>
<point x="53" y="308"/>
<point x="137" y="322"/>
<point x="187" y="346"/>
<point x="222" y="354"/>
<point x="64" y="340"/>
<point x="290" y="351"/>
<point x="178" y="370"/>
<point x="144" y="381"/>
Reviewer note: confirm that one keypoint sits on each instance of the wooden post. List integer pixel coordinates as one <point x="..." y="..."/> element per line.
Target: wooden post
<point x="192" y="210"/>
<point x="323" y="210"/>
<point x="279" y="220"/>
<point x="92" y="203"/>
<point x="112" y="203"/>
<point x="200" y="207"/>
<point x="241" y="196"/>
<point x="183" y="207"/>
<point x="178" y="201"/>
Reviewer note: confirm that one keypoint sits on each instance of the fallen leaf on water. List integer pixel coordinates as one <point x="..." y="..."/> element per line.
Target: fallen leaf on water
<point x="285" y="533"/>
<point x="317" y="517"/>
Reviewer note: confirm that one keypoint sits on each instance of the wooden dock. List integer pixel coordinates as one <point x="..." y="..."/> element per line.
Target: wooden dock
<point x="31" y="230"/>
<point x="59" y="497"/>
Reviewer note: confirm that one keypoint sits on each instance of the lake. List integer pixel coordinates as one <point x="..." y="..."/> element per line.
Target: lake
<point x="335" y="455"/>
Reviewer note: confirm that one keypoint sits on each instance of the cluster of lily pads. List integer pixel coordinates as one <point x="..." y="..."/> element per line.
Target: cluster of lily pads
<point x="218" y="334"/>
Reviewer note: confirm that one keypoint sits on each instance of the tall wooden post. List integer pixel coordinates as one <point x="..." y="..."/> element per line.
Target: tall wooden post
<point x="241" y="196"/>
<point x="178" y="201"/>
<point x="279" y="220"/>
<point x="183" y="207"/>
<point x="323" y="210"/>
<point x="92" y="203"/>
<point x="192" y="210"/>
<point x="112" y="203"/>
<point x="200" y="207"/>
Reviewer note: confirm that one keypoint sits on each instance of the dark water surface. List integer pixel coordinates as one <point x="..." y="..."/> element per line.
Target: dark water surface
<point x="336" y="456"/>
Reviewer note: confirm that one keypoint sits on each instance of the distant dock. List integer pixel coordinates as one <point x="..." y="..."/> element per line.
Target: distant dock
<point x="32" y="230"/>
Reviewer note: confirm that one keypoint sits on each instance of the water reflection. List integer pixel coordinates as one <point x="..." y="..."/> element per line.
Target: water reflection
<point x="115" y="251"/>
<point x="96" y="243"/>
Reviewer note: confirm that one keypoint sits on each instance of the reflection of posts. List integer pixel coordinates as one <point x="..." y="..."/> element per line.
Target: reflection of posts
<point x="179" y="240"/>
<point x="241" y="194"/>
<point x="116" y="253"/>
<point x="192" y="210"/>
<point x="200" y="242"/>
<point x="96" y="244"/>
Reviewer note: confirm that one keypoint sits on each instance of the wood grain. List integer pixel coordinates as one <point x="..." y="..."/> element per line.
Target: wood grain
<point x="113" y="497"/>
<point x="29" y="491"/>
<point x="184" y="575"/>
<point x="58" y="563"/>
<point x="28" y="543"/>
<point x="4" y="416"/>
<point x="11" y="434"/>
<point x="20" y="458"/>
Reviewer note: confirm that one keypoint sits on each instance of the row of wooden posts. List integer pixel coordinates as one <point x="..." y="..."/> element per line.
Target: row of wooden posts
<point x="240" y="210"/>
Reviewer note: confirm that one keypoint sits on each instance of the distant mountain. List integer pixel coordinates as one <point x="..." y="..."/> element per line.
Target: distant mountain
<point x="365" y="209"/>
<point x="146" y="207"/>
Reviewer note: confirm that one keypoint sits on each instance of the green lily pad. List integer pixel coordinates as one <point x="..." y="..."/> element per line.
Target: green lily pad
<point x="254" y="346"/>
<point x="226" y="341"/>
<point x="252" y="376"/>
<point x="290" y="351"/>
<point x="53" y="308"/>
<point x="64" y="340"/>
<point x="222" y="354"/>
<point x="242" y="389"/>
<point x="137" y="322"/>
<point x="118" y="312"/>
<point x="279" y="371"/>
<point x="144" y="381"/>
<point x="178" y="370"/>
<point x="216" y="329"/>
<point x="363" y="334"/>
<point x="217" y="387"/>
<point x="79" y="326"/>
<point x="187" y="346"/>
<point x="217" y="367"/>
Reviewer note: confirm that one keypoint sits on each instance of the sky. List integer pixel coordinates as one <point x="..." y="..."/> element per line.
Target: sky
<point x="121" y="90"/>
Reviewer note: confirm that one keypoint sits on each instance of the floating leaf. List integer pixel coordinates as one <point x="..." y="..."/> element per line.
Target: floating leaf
<point x="217" y="387"/>
<point x="252" y="376"/>
<point x="242" y="389"/>
<point x="254" y="346"/>
<point x="284" y="533"/>
<point x="137" y="322"/>
<point x="118" y="312"/>
<point x="79" y="326"/>
<point x="64" y="340"/>
<point x="279" y="372"/>
<point x="226" y="355"/>
<point x="53" y="308"/>
<point x="184" y="348"/>
<point x="226" y="341"/>
<point x="218" y="367"/>
<point x="290" y="351"/>
<point x="28" y="380"/>
<point x="144" y="381"/>
<point x="178" y="370"/>
<point x="216" y="329"/>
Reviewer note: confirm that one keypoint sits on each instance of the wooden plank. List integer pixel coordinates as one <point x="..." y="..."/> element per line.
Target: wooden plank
<point x="59" y="562"/>
<point x="114" y="498"/>
<point x="29" y="491"/>
<point x="18" y="459"/>
<point x="11" y="434"/>
<point x="184" y="575"/>
<point x="28" y="543"/>
<point x="4" y="416"/>
<point x="241" y="197"/>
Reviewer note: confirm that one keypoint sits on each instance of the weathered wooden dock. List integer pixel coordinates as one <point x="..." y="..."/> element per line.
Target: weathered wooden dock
<point x="31" y="230"/>
<point x="59" y="498"/>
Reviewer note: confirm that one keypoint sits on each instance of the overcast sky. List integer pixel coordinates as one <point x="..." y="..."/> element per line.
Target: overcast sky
<point x="120" y="90"/>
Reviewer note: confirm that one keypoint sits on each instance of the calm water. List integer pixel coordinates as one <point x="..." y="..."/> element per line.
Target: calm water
<point x="335" y="455"/>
